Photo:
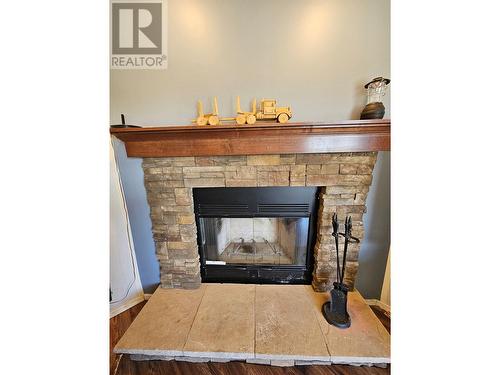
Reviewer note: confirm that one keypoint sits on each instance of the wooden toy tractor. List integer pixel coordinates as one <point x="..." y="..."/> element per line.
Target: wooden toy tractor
<point x="269" y="111"/>
<point x="210" y="118"/>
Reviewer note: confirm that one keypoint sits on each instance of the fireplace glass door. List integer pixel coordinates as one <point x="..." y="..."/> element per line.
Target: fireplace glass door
<point x="256" y="235"/>
<point x="257" y="240"/>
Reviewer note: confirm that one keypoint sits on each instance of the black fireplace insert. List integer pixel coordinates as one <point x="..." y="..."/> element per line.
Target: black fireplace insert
<point x="256" y="234"/>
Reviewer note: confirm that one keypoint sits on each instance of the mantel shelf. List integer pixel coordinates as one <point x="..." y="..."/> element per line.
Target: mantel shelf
<point x="257" y="139"/>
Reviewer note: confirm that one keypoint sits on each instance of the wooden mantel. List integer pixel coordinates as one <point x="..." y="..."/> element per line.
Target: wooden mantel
<point x="257" y="139"/>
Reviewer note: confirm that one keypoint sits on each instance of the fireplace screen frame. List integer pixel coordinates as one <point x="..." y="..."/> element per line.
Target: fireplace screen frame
<point x="254" y="202"/>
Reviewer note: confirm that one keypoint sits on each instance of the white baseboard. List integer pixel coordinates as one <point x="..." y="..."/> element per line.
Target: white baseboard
<point x="376" y="302"/>
<point x="126" y="305"/>
<point x="147" y="296"/>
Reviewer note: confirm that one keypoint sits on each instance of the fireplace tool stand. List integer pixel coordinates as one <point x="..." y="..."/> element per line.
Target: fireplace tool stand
<point x="335" y="310"/>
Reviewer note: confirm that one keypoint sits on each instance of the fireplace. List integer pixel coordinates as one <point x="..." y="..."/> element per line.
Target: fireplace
<point x="174" y="184"/>
<point x="256" y="234"/>
<point x="336" y="159"/>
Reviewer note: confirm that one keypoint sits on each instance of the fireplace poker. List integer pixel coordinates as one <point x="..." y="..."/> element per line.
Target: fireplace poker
<point x="335" y="234"/>
<point x="347" y="237"/>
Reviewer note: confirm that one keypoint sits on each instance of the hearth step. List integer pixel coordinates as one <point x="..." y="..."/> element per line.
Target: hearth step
<point x="277" y="325"/>
<point x="271" y="362"/>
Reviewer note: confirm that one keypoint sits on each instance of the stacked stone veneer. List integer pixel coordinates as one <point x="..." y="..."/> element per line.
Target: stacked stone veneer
<point x="344" y="179"/>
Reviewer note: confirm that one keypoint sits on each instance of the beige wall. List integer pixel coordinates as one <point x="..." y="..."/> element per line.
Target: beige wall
<point x="314" y="55"/>
<point x="385" y="295"/>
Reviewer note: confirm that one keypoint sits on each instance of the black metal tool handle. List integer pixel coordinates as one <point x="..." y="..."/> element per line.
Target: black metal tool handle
<point x="335" y="225"/>
<point x="346" y="243"/>
<point x="348" y="238"/>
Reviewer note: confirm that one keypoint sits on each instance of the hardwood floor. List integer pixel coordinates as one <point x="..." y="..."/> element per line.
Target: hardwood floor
<point x="117" y="327"/>
<point x="383" y="316"/>
<point x="123" y="365"/>
<point x="128" y="366"/>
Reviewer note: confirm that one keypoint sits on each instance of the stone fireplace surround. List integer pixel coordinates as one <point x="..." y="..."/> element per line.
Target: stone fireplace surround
<point x="344" y="179"/>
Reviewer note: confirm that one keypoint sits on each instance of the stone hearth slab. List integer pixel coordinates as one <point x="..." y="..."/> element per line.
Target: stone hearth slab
<point x="225" y="323"/>
<point x="286" y="325"/>
<point x="163" y="325"/>
<point x="366" y="341"/>
<point x="270" y="324"/>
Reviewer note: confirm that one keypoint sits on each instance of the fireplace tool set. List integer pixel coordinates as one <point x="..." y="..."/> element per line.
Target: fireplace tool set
<point x="335" y="310"/>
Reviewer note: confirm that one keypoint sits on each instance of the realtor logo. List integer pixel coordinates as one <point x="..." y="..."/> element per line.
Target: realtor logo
<point x="138" y="34"/>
